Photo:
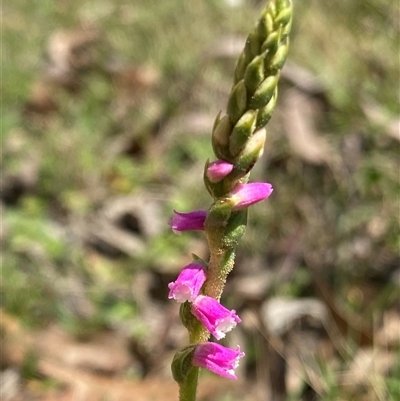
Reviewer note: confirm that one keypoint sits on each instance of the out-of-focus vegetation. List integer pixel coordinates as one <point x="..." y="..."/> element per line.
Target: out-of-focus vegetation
<point x="107" y="113"/>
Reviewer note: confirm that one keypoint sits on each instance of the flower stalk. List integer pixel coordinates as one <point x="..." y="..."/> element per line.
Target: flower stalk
<point x="238" y="139"/>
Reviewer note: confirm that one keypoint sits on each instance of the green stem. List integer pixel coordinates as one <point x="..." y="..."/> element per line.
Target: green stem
<point x="200" y="335"/>
<point x="188" y="389"/>
<point x="220" y="265"/>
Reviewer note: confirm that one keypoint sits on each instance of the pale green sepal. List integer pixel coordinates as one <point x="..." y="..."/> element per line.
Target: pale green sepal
<point x="264" y="92"/>
<point x="264" y="114"/>
<point x="262" y="29"/>
<point x="217" y="120"/>
<point x="283" y="17"/>
<point x="280" y="56"/>
<point x="271" y="8"/>
<point x="240" y="68"/>
<point x="252" y="47"/>
<point x="182" y="363"/>
<point x="199" y="260"/>
<point x="282" y="5"/>
<point x="286" y="29"/>
<point x="218" y="216"/>
<point x="207" y="183"/>
<point x="221" y="130"/>
<point x="242" y="131"/>
<point x="254" y="73"/>
<point x="235" y="229"/>
<point x="237" y="102"/>
<point x="220" y="137"/>
<point x="251" y="153"/>
<point x="187" y="318"/>
<point x="271" y="43"/>
<point x="269" y="22"/>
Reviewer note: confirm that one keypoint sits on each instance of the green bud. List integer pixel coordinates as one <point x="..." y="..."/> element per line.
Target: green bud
<point x="265" y="113"/>
<point x="264" y="92"/>
<point x="252" y="152"/>
<point x="269" y="22"/>
<point x="254" y="73"/>
<point x="262" y="30"/>
<point x="182" y="363"/>
<point x="252" y="47"/>
<point x="282" y="5"/>
<point x="222" y="130"/>
<point x="217" y="120"/>
<point x="283" y="17"/>
<point x="235" y="229"/>
<point x="271" y="8"/>
<point x="242" y="131"/>
<point x="237" y="102"/>
<point x="279" y="58"/>
<point x="271" y="43"/>
<point x="240" y="68"/>
<point x="220" y="136"/>
<point x="215" y="189"/>
<point x="286" y="29"/>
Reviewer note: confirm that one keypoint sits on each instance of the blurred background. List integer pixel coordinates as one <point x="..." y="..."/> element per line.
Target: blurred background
<point x="107" y="109"/>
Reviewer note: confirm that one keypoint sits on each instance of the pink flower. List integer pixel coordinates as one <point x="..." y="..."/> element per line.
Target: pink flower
<point x="217" y="358"/>
<point x="218" y="170"/>
<point x="188" y="221"/>
<point x="245" y="195"/>
<point x="216" y="318"/>
<point x="189" y="282"/>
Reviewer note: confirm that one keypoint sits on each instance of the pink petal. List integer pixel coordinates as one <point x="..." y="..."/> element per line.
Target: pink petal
<point x="218" y="170"/>
<point x="217" y="358"/>
<point x="188" y="284"/>
<point x="188" y="221"/>
<point x="245" y="195"/>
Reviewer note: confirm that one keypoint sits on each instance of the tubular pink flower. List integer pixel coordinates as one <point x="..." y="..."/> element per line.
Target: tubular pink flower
<point x="245" y="195"/>
<point x="188" y="284"/>
<point x="217" y="358"/>
<point x="216" y="318"/>
<point x="188" y="221"/>
<point x="218" y="170"/>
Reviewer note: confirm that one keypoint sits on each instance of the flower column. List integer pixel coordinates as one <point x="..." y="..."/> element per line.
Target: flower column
<point x="238" y="139"/>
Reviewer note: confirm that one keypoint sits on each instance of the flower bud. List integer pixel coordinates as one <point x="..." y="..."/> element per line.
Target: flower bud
<point x="264" y="92"/>
<point x="218" y="170"/>
<point x="242" y="131"/>
<point x="254" y="73"/>
<point x="237" y="102"/>
<point x="252" y="151"/>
